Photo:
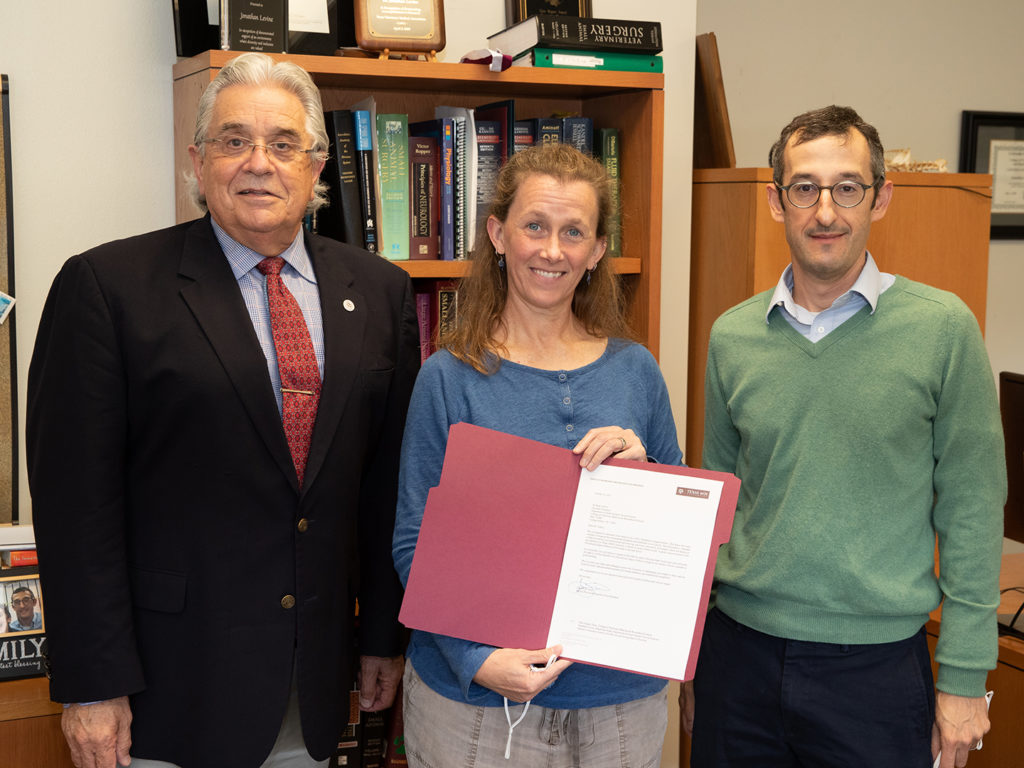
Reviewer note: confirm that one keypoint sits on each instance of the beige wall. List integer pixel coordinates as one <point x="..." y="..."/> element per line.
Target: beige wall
<point x="909" y="67"/>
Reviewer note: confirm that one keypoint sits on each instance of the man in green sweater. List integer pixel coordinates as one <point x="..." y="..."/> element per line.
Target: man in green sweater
<point x="859" y="410"/>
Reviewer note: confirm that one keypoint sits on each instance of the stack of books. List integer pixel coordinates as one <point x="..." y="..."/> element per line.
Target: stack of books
<point x="576" y="42"/>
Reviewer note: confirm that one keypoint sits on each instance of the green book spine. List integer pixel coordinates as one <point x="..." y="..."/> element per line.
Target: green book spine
<point x="631" y="62"/>
<point x="609" y="148"/>
<point x="393" y="170"/>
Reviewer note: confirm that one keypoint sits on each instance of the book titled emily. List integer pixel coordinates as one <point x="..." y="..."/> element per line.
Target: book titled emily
<point x="576" y="32"/>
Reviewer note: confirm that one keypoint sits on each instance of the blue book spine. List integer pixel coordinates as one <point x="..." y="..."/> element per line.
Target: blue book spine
<point x="367" y="184"/>
<point x="447" y="188"/>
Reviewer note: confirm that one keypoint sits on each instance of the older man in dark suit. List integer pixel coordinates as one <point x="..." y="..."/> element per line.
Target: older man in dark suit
<point x="214" y="421"/>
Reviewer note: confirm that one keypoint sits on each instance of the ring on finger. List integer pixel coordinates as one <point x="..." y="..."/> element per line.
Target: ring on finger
<point x="623" y="444"/>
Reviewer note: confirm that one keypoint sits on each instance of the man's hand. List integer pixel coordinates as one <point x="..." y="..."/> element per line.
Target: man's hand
<point x="960" y="723"/>
<point x="379" y="677"/>
<point x="99" y="735"/>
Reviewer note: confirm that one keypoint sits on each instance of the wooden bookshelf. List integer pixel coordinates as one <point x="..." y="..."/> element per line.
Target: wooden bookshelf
<point x="633" y="102"/>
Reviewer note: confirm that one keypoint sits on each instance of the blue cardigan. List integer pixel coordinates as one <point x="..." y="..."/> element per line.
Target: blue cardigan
<point x="623" y="387"/>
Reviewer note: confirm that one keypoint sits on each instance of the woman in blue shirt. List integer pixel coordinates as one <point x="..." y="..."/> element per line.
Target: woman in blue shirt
<point x="539" y="351"/>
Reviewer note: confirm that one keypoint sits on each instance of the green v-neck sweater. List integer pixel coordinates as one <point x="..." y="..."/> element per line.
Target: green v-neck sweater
<point x="855" y="454"/>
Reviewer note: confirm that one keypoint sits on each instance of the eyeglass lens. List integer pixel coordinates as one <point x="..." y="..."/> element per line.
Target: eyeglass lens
<point x="847" y="194"/>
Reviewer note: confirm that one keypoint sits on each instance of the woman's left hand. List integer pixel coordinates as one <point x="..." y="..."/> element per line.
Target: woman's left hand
<point x="600" y="443"/>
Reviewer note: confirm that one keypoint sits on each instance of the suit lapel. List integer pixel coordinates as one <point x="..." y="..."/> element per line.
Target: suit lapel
<point x="344" y="313"/>
<point x="211" y="293"/>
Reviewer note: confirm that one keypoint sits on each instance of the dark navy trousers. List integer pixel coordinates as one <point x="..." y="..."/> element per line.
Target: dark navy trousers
<point x="769" y="702"/>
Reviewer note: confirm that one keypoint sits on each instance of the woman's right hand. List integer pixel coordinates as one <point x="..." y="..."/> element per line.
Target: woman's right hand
<point x="518" y="675"/>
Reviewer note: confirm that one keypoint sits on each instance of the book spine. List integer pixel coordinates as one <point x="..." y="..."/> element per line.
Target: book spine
<point x="424" y="203"/>
<point x="342" y="218"/>
<point x="424" y="325"/>
<point x="446" y="306"/>
<point x="393" y="169"/>
<point x="447" y="168"/>
<point x="579" y="132"/>
<point x="488" y="164"/>
<point x="609" y="142"/>
<point x="547" y="130"/>
<point x="367" y="183"/>
<point x="598" y="34"/>
<point x="460" y="210"/>
<point x="522" y="135"/>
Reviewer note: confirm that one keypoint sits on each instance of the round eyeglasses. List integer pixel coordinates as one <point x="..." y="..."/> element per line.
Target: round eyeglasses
<point x="845" y="194"/>
<point x="236" y="146"/>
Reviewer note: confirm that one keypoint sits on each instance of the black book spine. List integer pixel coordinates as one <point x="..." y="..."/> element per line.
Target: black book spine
<point x="598" y="34"/>
<point x="342" y="219"/>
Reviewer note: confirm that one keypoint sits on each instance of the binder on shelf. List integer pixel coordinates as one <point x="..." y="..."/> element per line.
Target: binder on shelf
<point x="614" y="60"/>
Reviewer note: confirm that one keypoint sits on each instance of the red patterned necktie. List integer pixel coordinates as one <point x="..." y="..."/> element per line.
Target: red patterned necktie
<point x="296" y="364"/>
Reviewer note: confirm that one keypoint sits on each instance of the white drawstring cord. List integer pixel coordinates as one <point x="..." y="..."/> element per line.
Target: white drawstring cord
<point x="508" y="716"/>
<point x="511" y="726"/>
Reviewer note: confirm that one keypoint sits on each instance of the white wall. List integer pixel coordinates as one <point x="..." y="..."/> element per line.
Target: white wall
<point x="90" y="87"/>
<point x="91" y="123"/>
<point x="908" y="67"/>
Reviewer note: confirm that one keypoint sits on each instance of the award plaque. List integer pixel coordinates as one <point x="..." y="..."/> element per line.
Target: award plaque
<point x="406" y="26"/>
<point x="254" y="25"/>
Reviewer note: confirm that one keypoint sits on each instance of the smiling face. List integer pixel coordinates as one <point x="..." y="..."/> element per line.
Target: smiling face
<point x="827" y="243"/>
<point x="549" y="239"/>
<point x="24" y="604"/>
<point x="257" y="200"/>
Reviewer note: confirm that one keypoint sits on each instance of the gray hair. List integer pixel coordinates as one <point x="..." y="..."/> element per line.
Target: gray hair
<point x="258" y="69"/>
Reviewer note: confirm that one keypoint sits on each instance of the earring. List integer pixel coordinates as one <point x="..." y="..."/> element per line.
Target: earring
<point x="589" y="272"/>
<point x="501" y="260"/>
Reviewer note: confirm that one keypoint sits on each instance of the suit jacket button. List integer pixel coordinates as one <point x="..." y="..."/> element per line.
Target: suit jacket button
<point x="303" y="525"/>
<point x="288" y="601"/>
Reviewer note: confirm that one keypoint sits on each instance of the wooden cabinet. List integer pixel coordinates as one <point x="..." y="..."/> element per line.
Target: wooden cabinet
<point x="30" y="732"/>
<point x="630" y="101"/>
<point x="936" y="231"/>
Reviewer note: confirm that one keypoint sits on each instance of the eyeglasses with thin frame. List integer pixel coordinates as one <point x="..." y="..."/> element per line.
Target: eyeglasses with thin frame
<point x="845" y="194"/>
<point x="237" y="146"/>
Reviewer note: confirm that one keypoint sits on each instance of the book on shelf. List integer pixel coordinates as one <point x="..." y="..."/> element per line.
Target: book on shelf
<point x="442" y="129"/>
<point x="443" y="310"/>
<point x="576" y="32"/>
<point x="465" y="175"/>
<point x="374" y="737"/>
<point x="394" y="749"/>
<point x="517" y="10"/>
<point x="424" y="198"/>
<point x="23" y="644"/>
<point x="365" y="169"/>
<point x="522" y="135"/>
<point x="350" y="747"/>
<point x="488" y="165"/>
<point x="546" y="130"/>
<point x="569" y="59"/>
<point x="578" y="131"/>
<point x="504" y="113"/>
<point x="342" y="217"/>
<point x="393" y="175"/>
<point x="608" y="152"/>
<point x="423" y="323"/>
<point x="18" y="558"/>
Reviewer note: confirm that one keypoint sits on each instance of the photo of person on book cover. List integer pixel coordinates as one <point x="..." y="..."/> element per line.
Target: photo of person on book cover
<point x="21" y="605"/>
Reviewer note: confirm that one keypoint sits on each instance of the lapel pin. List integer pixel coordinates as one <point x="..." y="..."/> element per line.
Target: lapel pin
<point x="348" y="305"/>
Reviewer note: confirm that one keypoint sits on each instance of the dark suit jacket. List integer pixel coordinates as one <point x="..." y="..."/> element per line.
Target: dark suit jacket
<point x="170" y="527"/>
